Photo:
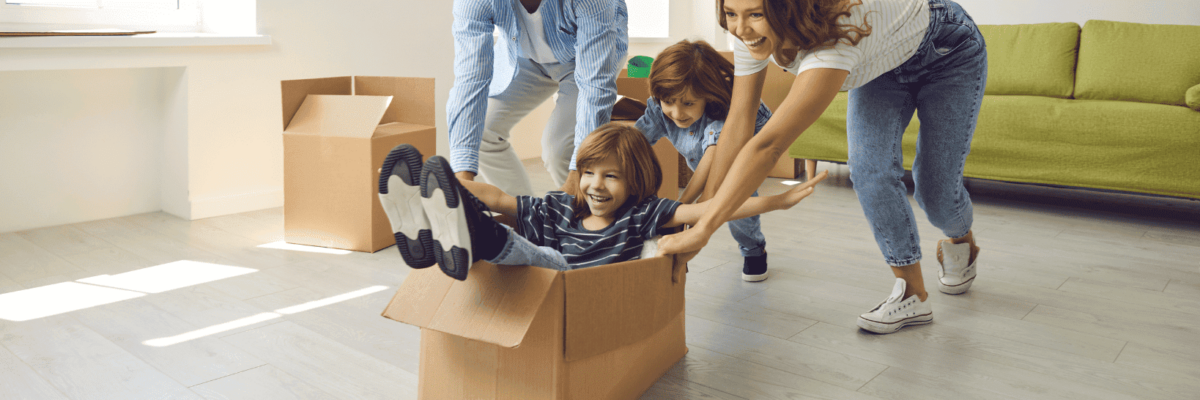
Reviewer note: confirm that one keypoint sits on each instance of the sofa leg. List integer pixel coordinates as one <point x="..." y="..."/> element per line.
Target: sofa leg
<point x="810" y="169"/>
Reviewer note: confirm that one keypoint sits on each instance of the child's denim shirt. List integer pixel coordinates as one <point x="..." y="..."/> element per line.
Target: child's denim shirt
<point x="693" y="140"/>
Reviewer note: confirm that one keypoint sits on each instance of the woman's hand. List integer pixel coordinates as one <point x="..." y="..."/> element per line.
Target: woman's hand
<point x="684" y="245"/>
<point x="799" y="192"/>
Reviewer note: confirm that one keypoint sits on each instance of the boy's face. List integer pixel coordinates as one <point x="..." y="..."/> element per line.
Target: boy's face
<point x="684" y="109"/>
<point x="746" y="21"/>
<point x="603" y="184"/>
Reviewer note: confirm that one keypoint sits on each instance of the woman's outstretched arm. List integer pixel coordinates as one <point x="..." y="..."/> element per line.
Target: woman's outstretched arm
<point x="810" y="94"/>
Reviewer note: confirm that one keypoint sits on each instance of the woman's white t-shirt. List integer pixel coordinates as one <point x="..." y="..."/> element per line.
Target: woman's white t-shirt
<point x="897" y="29"/>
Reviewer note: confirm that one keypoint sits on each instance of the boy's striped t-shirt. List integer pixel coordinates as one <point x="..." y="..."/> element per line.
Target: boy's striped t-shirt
<point x="546" y="221"/>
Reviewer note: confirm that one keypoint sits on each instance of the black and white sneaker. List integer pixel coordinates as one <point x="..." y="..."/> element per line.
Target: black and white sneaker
<point x="462" y="232"/>
<point x="754" y="269"/>
<point x="400" y="195"/>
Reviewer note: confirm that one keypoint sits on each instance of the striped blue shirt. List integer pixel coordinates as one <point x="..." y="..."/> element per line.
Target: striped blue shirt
<point x="546" y="221"/>
<point x="692" y="141"/>
<point x="591" y="34"/>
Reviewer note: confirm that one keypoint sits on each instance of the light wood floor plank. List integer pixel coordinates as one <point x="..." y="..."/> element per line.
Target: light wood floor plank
<point x="754" y="381"/>
<point x="18" y="381"/>
<point x="83" y="364"/>
<point x="131" y="323"/>
<point x="671" y="388"/>
<point x="265" y="382"/>
<point x="330" y="366"/>
<point x="22" y="261"/>
<point x="822" y="365"/>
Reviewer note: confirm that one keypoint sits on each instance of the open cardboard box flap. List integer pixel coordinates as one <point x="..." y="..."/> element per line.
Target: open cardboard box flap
<point x="606" y="307"/>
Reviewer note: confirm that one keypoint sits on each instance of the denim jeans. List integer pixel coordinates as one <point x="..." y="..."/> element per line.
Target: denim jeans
<point x="534" y="83"/>
<point x="520" y="251"/>
<point x="944" y="82"/>
<point x="748" y="234"/>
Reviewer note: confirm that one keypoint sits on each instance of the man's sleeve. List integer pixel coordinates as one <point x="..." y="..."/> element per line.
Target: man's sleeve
<point x="473" y="26"/>
<point x="600" y="48"/>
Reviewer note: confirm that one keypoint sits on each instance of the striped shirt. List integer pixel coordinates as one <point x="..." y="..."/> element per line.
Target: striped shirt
<point x="897" y="29"/>
<point x="692" y="141"/>
<point x="593" y="35"/>
<point x="546" y="221"/>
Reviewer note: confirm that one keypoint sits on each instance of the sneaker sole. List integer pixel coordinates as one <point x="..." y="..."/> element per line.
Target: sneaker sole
<point x="756" y="278"/>
<point x="400" y="196"/>
<point x="447" y="218"/>
<point x="885" y="328"/>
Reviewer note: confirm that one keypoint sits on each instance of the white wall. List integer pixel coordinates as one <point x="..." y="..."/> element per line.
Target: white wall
<point x="210" y="115"/>
<point x="79" y="145"/>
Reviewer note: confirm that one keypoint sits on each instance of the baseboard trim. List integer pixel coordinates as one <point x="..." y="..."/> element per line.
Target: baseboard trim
<point x="216" y="206"/>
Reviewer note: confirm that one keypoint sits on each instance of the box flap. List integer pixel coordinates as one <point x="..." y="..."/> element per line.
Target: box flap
<point x="412" y="98"/>
<point x="398" y="128"/>
<point x="615" y="305"/>
<point x="495" y="304"/>
<point x="634" y="88"/>
<point x="339" y="116"/>
<point x="295" y="91"/>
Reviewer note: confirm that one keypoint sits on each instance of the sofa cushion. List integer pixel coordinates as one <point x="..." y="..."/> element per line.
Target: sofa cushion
<point x="1192" y="97"/>
<point x="1137" y="62"/>
<point x="1031" y="59"/>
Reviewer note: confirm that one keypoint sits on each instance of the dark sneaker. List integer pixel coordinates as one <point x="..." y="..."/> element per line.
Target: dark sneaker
<point x="754" y="269"/>
<point x="462" y="232"/>
<point x="400" y="196"/>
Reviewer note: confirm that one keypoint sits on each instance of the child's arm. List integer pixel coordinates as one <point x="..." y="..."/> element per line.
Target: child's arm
<point x="696" y="185"/>
<point x="492" y="197"/>
<point x="689" y="214"/>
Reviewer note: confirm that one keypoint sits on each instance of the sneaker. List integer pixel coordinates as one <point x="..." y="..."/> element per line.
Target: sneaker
<point x="958" y="267"/>
<point x="894" y="313"/>
<point x="463" y="232"/>
<point x="400" y="195"/>
<point x="754" y="269"/>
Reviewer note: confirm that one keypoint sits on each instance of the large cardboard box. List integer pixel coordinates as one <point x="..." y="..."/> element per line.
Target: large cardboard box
<point x="606" y="332"/>
<point x="336" y="134"/>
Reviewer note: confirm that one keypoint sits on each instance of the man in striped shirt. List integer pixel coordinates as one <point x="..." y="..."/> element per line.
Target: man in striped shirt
<point x="570" y="47"/>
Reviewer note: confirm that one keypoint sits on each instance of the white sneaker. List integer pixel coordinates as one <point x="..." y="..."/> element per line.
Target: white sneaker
<point x="956" y="274"/>
<point x="894" y="313"/>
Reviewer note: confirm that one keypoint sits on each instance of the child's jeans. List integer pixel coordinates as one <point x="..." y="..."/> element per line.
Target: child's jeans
<point x="944" y="82"/>
<point x="748" y="234"/>
<point x="520" y="251"/>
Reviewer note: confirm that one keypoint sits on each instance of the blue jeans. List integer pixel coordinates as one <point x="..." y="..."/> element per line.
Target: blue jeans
<point x="943" y="82"/>
<point x="520" y="251"/>
<point x="534" y="83"/>
<point x="748" y="234"/>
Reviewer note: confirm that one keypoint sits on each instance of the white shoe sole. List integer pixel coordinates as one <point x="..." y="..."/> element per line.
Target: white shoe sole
<point x="401" y="202"/>
<point x="885" y="328"/>
<point x="955" y="289"/>
<point x="756" y="278"/>
<point x="447" y="221"/>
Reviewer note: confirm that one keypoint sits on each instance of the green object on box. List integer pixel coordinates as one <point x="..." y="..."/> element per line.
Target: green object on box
<point x="639" y="67"/>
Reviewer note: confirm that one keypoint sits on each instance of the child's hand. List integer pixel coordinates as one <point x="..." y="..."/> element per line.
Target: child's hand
<point x="793" y="196"/>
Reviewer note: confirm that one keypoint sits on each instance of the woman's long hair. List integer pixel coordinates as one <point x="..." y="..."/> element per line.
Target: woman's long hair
<point x="694" y="67"/>
<point x="639" y="165"/>
<point x="808" y="23"/>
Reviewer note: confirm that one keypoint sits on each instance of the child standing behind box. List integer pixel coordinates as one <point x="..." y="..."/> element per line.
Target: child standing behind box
<point x="612" y="215"/>
<point x="691" y="84"/>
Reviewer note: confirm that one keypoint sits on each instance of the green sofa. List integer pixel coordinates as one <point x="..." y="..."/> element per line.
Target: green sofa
<point x="1113" y="106"/>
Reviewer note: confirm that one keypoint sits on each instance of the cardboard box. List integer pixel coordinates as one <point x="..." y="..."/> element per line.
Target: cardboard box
<point x="606" y="332"/>
<point x="336" y="134"/>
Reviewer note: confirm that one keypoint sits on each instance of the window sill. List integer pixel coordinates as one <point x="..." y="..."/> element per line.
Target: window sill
<point x="161" y="39"/>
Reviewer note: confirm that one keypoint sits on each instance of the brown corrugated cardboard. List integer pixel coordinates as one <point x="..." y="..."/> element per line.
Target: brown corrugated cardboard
<point x="337" y="132"/>
<point x="606" y="332"/>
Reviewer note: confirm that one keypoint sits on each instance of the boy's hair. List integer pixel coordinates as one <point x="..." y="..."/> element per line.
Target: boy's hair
<point x="696" y="67"/>
<point x="807" y="23"/>
<point x="639" y="165"/>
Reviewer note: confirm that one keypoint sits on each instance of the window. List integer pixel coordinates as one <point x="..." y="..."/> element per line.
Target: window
<point x="649" y="18"/>
<point x="161" y="15"/>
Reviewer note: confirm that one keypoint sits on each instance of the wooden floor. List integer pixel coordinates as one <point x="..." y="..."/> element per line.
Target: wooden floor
<point x="1081" y="294"/>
